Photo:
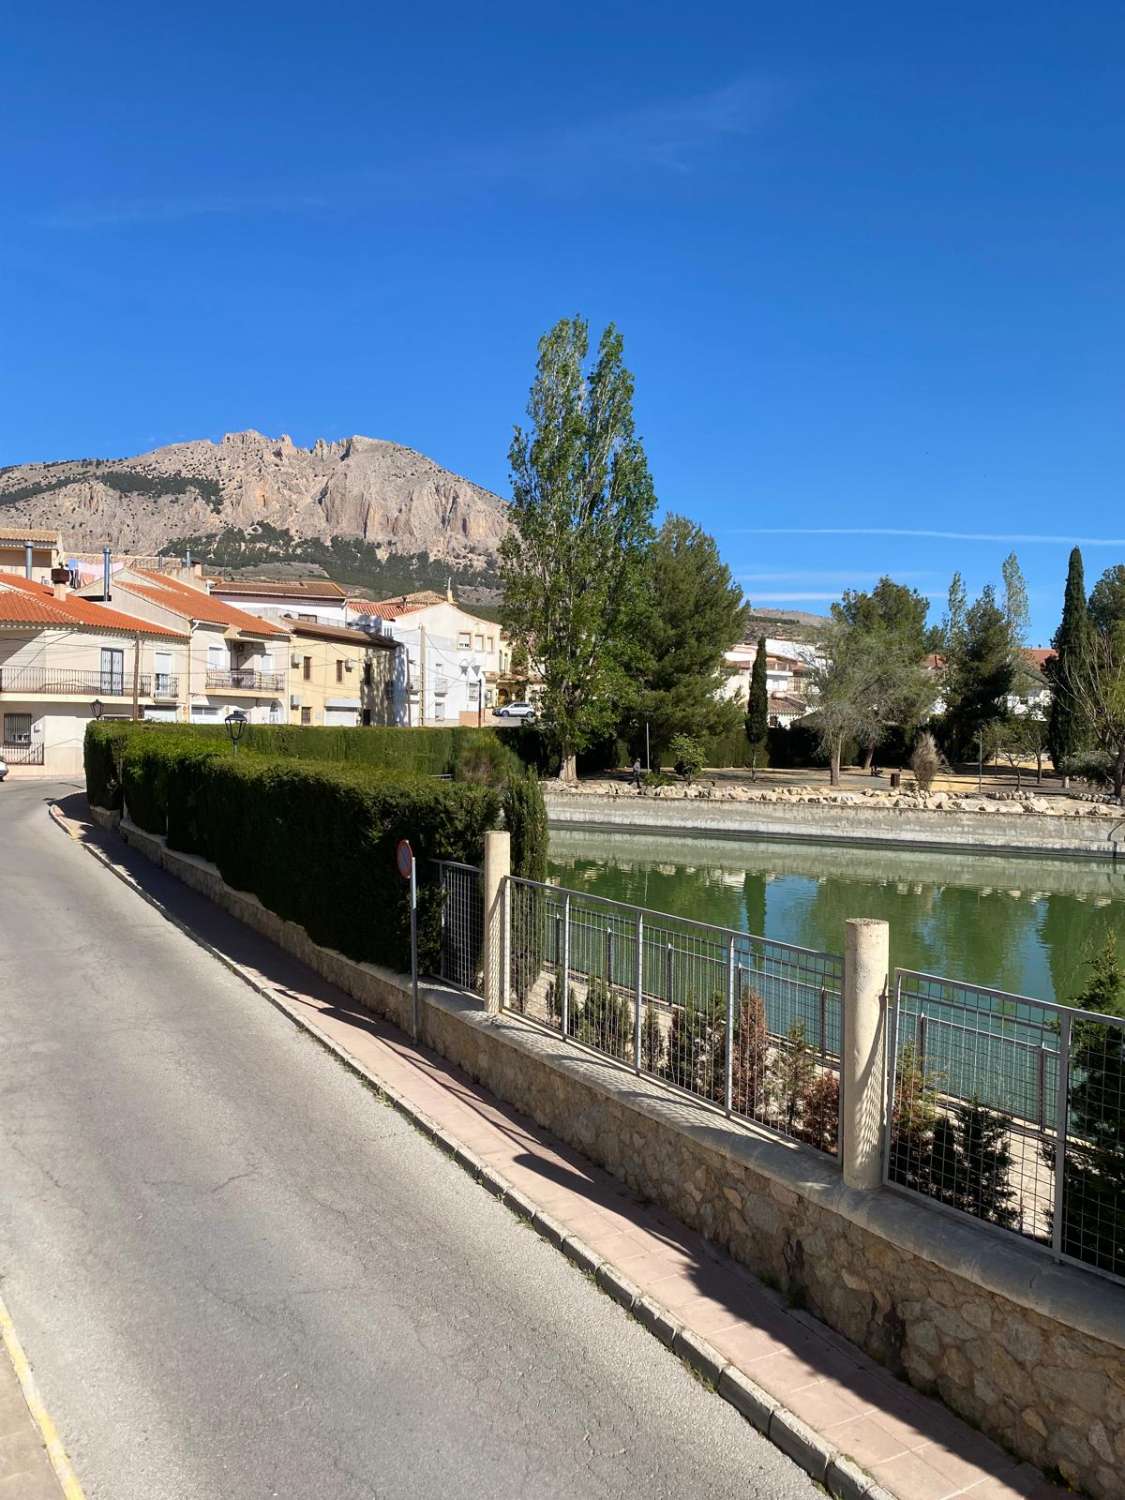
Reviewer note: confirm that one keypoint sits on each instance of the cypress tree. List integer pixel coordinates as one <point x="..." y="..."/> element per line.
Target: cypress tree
<point x="1065" y="730"/>
<point x="758" y="709"/>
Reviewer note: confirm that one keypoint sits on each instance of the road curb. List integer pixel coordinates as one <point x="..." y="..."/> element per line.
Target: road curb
<point x="48" y="1433"/>
<point x="808" y="1449"/>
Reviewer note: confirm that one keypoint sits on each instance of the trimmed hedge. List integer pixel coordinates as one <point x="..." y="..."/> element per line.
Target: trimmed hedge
<point x="178" y="780"/>
<point x="315" y="842"/>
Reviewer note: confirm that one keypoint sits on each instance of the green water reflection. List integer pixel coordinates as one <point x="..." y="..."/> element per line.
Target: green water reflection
<point x="1020" y="925"/>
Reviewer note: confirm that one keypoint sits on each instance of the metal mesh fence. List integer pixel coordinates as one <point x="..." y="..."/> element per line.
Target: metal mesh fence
<point x="462" y="925"/>
<point x="1010" y="1110"/>
<point x="742" y="1022"/>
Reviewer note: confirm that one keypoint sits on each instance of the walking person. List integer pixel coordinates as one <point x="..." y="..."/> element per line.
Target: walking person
<point x="637" y="773"/>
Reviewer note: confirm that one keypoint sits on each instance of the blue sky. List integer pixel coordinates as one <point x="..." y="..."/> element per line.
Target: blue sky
<point x="867" y="260"/>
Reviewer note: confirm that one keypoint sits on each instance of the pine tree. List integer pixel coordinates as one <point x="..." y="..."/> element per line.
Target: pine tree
<point x="690" y="1056"/>
<point x="985" y="1163"/>
<point x="606" y="1021"/>
<point x="652" y="1041"/>
<point x="980" y="674"/>
<point x="913" y="1118"/>
<point x="749" y="1062"/>
<point x="794" y="1070"/>
<point x="1066" y="733"/>
<point x="820" y="1111"/>
<point x="758" y="709"/>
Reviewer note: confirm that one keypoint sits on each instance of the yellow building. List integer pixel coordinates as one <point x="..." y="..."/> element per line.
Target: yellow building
<point x="340" y="676"/>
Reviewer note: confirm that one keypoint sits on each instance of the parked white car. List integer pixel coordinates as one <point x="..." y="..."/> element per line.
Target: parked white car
<point x="525" y="711"/>
<point x="3" y="768"/>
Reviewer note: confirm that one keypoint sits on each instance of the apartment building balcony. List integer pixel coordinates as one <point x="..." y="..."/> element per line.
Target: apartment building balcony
<point x="244" y="680"/>
<point x="64" y="682"/>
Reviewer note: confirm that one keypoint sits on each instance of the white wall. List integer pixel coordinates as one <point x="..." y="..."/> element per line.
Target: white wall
<point x="325" y="612"/>
<point x="435" y="638"/>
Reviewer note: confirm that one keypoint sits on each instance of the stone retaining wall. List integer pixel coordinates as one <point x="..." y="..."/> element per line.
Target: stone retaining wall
<point x="992" y="832"/>
<point x="1031" y="1352"/>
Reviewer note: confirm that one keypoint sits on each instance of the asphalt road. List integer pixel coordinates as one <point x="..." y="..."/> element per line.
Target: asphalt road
<point x="237" y="1274"/>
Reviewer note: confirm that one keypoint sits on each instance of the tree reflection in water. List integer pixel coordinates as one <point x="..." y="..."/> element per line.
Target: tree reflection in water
<point x="1024" y="925"/>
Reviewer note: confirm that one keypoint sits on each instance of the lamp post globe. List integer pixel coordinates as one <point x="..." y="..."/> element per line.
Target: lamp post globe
<point x="97" y="708"/>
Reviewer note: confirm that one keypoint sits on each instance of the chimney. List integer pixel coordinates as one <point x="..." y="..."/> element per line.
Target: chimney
<point x="27" y="559"/>
<point x="105" y="575"/>
<point x="60" y="590"/>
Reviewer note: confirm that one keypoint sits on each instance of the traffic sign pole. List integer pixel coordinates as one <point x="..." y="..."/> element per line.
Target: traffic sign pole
<point x="404" y="859"/>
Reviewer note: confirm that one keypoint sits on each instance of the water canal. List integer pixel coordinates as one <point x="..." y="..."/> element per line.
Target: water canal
<point x="1021" y="925"/>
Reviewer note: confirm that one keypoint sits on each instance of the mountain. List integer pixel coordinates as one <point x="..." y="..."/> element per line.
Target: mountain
<point x="394" y="500"/>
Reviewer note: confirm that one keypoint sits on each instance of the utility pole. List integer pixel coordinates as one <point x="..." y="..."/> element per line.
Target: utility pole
<point x="980" y="759"/>
<point x="421" y="676"/>
<point x="137" y="675"/>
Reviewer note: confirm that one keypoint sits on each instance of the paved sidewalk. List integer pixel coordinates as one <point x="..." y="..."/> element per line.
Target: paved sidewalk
<point x="912" y="1447"/>
<point x="25" y="1469"/>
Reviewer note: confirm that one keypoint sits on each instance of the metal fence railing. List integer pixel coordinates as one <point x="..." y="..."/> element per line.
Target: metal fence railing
<point x="462" y="925"/>
<point x="740" y="1021"/>
<point x="1010" y="1110"/>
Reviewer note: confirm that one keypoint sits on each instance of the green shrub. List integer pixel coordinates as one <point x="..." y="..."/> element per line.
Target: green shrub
<point x="687" y="755"/>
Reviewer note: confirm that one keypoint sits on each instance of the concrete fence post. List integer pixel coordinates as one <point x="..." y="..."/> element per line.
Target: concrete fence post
<point x="866" y="967"/>
<point x="494" y="893"/>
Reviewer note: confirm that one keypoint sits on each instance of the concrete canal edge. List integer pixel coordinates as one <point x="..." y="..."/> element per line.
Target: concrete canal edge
<point x="1022" y="835"/>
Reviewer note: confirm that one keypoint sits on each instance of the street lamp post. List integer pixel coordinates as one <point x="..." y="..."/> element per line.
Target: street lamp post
<point x="980" y="759"/>
<point x="97" y="708"/>
<point x="236" y="723"/>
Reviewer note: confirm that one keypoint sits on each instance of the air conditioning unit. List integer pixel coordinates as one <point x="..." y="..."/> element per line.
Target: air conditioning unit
<point x="294" y="661"/>
<point x="294" y="701"/>
<point x="349" y="666"/>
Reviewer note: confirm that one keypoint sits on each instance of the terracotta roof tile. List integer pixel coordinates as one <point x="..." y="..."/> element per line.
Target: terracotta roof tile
<point x="266" y="588"/>
<point x="23" y="601"/>
<point x="194" y="604"/>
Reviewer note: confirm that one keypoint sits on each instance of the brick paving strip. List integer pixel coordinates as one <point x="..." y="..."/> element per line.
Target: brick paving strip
<point x="33" y="1465"/>
<point x="846" y="1420"/>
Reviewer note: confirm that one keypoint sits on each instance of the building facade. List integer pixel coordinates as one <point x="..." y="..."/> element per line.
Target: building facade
<point x="316" y="601"/>
<point x="65" y="660"/>
<point x="235" y="660"/>
<point x="452" y="660"/>
<point x="342" y="677"/>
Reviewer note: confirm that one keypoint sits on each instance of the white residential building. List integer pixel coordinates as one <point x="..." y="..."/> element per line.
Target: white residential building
<point x="236" y="660"/>
<point x="65" y="660"/>
<point x="454" y="659"/>
<point x="789" y="666"/>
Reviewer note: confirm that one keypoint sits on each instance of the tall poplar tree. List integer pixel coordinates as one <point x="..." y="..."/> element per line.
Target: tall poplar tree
<point x="573" y="563"/>
<point x="1066" y="733"/>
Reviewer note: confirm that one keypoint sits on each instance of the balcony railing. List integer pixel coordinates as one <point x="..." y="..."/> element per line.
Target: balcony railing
<point x="245" y="680"/>
<point x="67" y="682"/>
